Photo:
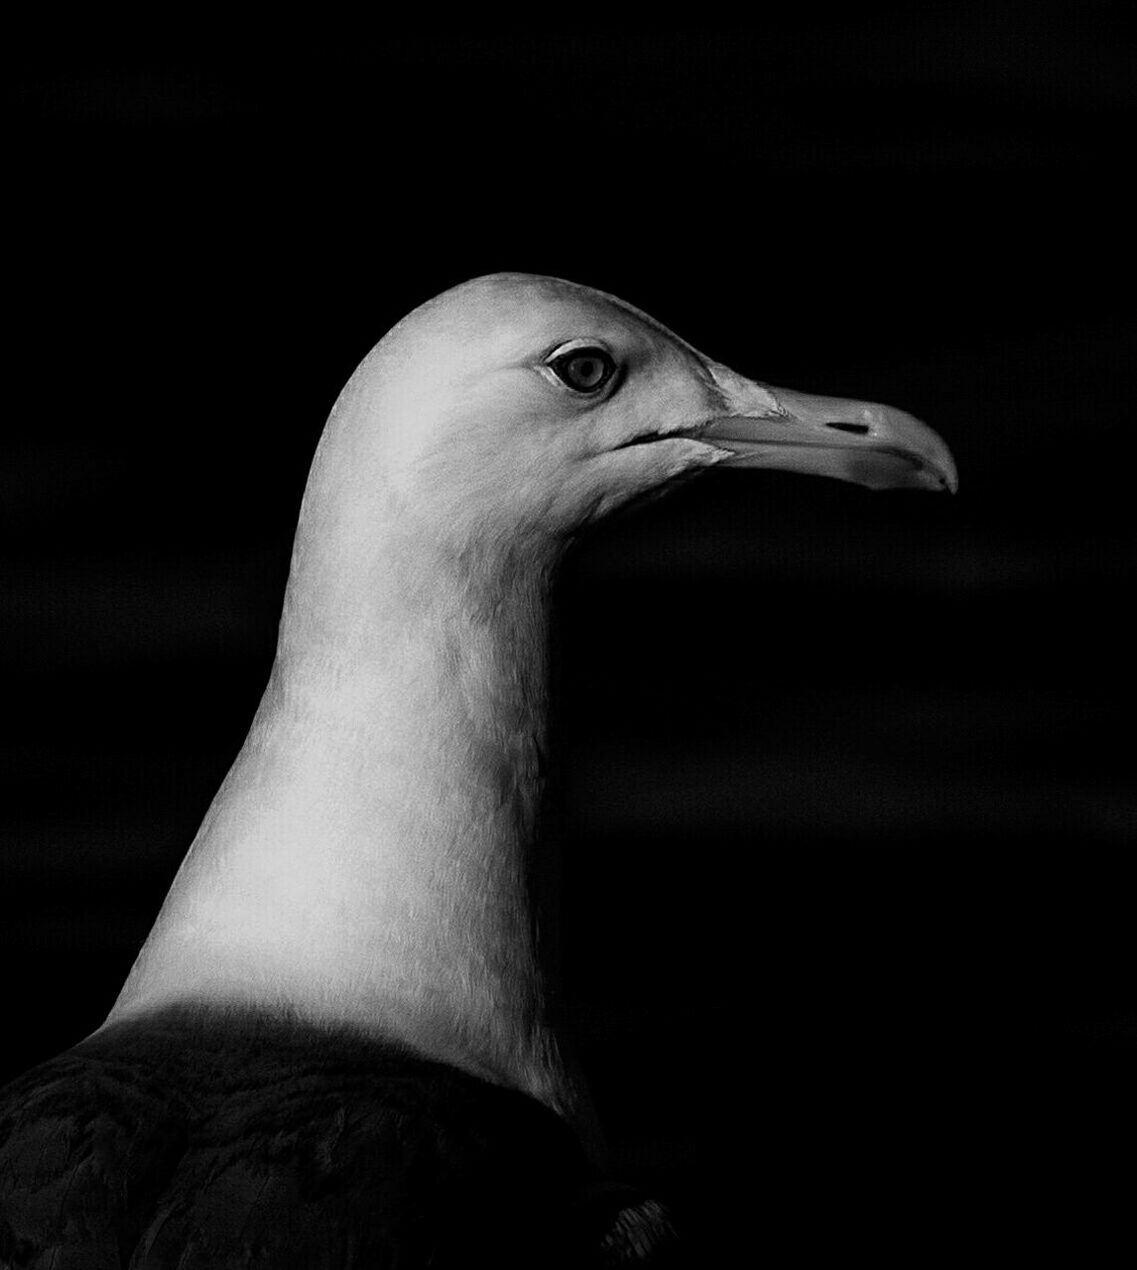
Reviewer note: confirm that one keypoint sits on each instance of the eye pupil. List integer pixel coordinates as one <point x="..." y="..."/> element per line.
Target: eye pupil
<point x="584" y="370"/>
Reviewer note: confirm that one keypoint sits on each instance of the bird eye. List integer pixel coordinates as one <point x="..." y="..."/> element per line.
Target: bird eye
<point x="584" y="370"/>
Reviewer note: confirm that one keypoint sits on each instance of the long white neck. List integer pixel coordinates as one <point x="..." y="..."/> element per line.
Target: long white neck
<point x="366" y="860"/>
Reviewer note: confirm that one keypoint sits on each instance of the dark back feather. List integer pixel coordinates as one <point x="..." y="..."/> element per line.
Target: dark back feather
<point x="197" y="1138"/>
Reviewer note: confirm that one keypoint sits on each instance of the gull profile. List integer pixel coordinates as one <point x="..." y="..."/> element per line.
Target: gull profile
<point x="334" y="1048"/>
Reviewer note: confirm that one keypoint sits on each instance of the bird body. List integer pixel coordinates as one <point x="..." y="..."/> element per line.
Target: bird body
<point x="355" y="917"/>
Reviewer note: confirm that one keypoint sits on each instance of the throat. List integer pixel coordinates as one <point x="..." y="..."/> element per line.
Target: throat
<point x="369" y="860"/>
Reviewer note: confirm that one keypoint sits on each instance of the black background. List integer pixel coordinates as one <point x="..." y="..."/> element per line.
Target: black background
<point x="843" y="780"/>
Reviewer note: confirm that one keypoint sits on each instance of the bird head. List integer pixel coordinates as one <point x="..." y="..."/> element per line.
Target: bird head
<point x="516" y="409"/>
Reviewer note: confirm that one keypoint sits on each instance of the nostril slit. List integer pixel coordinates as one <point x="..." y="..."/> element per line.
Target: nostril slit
<point x="859" y="429"/>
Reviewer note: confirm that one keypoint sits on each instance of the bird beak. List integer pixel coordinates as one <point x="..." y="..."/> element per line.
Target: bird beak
<point x="858" y="441"/>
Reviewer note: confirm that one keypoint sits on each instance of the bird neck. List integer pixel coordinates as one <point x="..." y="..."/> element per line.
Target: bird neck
<point x="368" y="859"/>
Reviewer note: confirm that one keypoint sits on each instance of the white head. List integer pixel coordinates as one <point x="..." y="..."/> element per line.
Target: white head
<point x="502" y="416"/>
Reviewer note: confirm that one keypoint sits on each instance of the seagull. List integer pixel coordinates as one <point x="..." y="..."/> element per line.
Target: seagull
<point x="334" y="1048"/>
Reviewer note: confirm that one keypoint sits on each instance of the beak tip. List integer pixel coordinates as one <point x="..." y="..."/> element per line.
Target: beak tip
<point x="947" y="476"/>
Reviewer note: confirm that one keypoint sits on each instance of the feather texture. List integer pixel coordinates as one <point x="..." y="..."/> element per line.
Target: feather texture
<point x="204" y="1139"/>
